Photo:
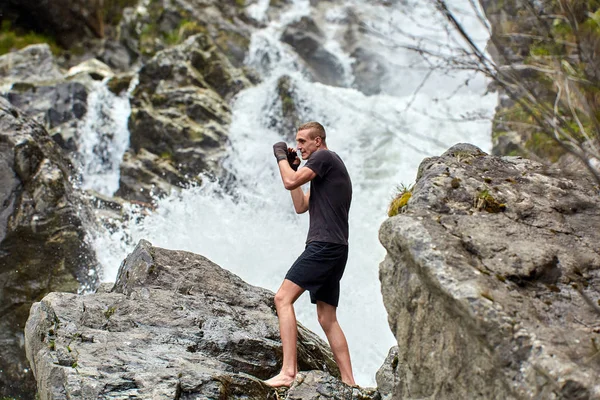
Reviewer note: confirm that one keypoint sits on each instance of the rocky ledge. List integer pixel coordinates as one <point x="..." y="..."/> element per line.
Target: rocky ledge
<point x="173" y="326"/>
<point x="491" y="281"/>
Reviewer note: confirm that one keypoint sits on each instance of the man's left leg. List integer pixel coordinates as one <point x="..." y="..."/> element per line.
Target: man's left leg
<point x="337" y="340"/>
<point x="285" y="298"/>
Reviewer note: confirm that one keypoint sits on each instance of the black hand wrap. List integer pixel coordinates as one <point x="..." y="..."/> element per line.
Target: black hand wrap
<point x="280" y="151"/>
<point x="291" y="157"/>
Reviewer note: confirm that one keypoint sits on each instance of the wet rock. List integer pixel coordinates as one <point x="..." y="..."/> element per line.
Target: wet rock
<point x="288" y="119"/>
<point x="60" y="107"/>
<point x="174" y="325"/>
<point x="499" y="268"/>
<point x="307" y="40"/>
<point x="368" y="71"/>
<point x="180" y="109"/>
<point x="42" y="238"/>
<point x="145" y="176"/>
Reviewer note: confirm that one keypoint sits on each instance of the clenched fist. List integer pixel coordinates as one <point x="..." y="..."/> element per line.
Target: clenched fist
<point x="280" y="150"/>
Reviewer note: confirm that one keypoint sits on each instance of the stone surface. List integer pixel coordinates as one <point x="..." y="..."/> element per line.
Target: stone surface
<point x="42" y="238"/>
<point x="491" y="281"/>
<point x="308" y="41"/>
<point x="180" y="112"/>
<point x="388" y="379"/>
<point x="175" y="325"/>
<point x="34" y="63"/>
<point x="60" y="107"/>
<point x="319" y="385"/>
<point x="67" y="20"/>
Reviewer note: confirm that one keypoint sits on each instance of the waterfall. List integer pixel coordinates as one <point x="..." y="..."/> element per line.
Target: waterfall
<point x="251" y="228"/>
<point x="104" y="138"/>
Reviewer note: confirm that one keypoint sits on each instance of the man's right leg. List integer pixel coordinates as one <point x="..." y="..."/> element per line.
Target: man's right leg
<point x="337" y="340"/>
<point x="285" y="297"/>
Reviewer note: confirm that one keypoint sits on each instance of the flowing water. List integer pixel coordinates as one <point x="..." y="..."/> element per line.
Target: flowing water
<point x="249" y="227"/>
<point x="104" y="138"/>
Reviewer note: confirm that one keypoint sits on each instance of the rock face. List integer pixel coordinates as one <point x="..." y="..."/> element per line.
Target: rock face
<point x="67" y="20"/>
<point x="34" y="63"/>
<point x="307" y="40"/>
<point x="42" y="239"/>
<point x="180" y="112"/>
<point x="175" y="325"/>
<point x="491" y="281"/>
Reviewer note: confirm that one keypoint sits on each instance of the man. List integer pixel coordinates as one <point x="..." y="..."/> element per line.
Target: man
<point x="320" y="267"/>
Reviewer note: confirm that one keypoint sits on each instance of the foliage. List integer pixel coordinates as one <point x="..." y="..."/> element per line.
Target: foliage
<point x="546" y="65"/>
<point x="400" y="201"/>
<point x="14" y="39"/>
<point x="485" y="201"/>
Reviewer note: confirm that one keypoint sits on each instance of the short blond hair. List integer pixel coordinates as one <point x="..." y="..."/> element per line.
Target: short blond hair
<point x="315" y="129"/>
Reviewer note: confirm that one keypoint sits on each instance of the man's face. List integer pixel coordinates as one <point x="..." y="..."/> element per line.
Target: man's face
<point x="306" y="145"/>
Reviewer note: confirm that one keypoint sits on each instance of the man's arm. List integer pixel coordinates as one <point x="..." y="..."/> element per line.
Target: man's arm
<point x="294" y="179"/>
<point x="300" y="200"/>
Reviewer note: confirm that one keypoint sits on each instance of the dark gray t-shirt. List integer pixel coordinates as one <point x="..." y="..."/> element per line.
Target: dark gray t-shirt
<point x="330" y="198"/>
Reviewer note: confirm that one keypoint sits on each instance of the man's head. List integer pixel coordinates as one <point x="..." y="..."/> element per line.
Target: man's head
<point x="310" y="138"/>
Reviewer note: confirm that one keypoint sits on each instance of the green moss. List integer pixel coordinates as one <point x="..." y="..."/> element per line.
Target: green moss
<point x="110" y="311"/>
<point x="14" y="39"/>
<point x="166" y="155"/>
<point x="543" y="145"/>
<point x="113" y="10"/>
<point x="400" y="201"/>
<point x="485" y="201"/>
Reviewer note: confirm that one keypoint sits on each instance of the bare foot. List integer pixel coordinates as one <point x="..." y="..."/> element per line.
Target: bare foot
<point x="280" y="380"/>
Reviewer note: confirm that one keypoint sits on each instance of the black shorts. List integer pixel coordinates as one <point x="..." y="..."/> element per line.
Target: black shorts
<point x="319" y="270"/>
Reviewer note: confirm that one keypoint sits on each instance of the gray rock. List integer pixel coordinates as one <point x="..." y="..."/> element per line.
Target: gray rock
<point x="319" y="385"/>
<point x="34" y="63"/>
<point x="180" y="113"/>
<point x="60" y="107"/>
<point x="146" y="175"/>
<point x="368" y="71"/>
<point x="175" y="325"/>
<point x="307" y="40"/>
<point x="42" y="239"/>
<point x="387" y="378"/>
<point x="491" y="281"/>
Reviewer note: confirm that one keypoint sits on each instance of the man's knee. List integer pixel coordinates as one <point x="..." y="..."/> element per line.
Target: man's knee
<point x="326" y="316"/>
<point x="284" y="297"/>
<point x="280" y="299"/>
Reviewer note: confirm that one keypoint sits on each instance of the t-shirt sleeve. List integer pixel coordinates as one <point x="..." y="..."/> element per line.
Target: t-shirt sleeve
<point x="319" y="162"/>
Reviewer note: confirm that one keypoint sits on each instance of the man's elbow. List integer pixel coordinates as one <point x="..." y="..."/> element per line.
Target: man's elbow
<point x="301" y="210"/>
<point x="290" y="185"/>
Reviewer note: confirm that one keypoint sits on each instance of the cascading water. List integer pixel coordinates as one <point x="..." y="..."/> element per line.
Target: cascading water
<point x="251" y="228"/>
<point x="104" y="139"/>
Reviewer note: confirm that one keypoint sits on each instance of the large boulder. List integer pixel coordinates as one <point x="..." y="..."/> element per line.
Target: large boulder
<point x="491" y="281"/>
<point x="43" y="244"/>
<point x="174" y="325"/>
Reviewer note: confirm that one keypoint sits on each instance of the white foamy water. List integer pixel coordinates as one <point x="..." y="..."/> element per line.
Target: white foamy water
<point x="104" y="139"/>
<point x="252" y="230"/>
